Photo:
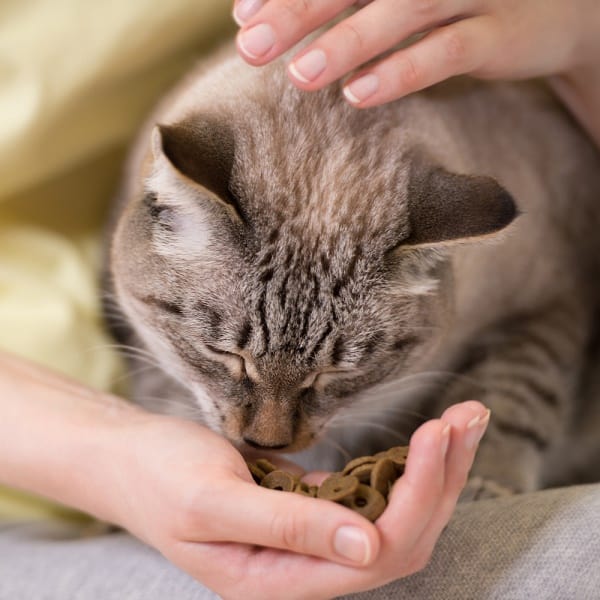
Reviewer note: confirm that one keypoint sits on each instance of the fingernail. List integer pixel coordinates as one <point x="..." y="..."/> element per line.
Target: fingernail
<point x="245" y="9"/>
<point x="475" y="429"/>
<point x="352" y="543"/>
<point x="257" y="41"/>
<point x="309" y="67"/>
<point x="445" y="440"/>
<point x="362" y="88"/>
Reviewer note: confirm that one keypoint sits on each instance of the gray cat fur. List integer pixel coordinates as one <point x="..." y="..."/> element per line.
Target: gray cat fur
<point x="265" y="237"/>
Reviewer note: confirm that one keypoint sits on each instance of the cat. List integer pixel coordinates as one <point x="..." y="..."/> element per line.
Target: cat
<point x="298" y="270"/>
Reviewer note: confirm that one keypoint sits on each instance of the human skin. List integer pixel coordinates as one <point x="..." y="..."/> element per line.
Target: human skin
<point x="186" y="491"/>
<point x="488" y="39"/>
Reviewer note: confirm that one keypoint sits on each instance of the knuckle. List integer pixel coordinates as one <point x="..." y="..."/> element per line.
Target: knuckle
<point x="290" y="530"/>
<point x="349" y="31"/>
<point x="410" y="78"/>
<point x="455" y="482"/>
<point x="455" y="47"/>
<point x="188" y="509"/>
<point x="298" y="9"/>
<point x="187" y="513"/>
<point x="420" y="561"/>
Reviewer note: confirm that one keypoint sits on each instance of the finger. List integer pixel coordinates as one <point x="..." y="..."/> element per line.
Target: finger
<point x="447" y="51"/>
<point x="280" y="24"/>
<point x="244" y="10"/>
<point x="416" y="495"/>
<point x="252" y="514"/>
<point x="364" y="35"/>
<point x="469" y="421"/>
<point x="241" y="571"/>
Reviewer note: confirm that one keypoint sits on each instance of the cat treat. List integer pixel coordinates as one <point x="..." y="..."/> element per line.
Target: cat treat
<point x="363" y="485"/>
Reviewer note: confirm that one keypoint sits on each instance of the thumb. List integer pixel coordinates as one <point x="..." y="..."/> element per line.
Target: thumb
<point x="250" y="514"/>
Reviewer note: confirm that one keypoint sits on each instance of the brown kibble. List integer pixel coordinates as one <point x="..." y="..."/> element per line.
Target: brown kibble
<point x="383" y="476"/>
<point x="366" y="501"/>
<point x="279" y="480"/>
<point x="363" y="472"/>
<point x="362" y="486"/>
<point x="264" y="465"/>
<point x="337" y="487"/>
<point x="397" y="455"/>
<point x="357" y="462"/>
<point x="302" y="488"/>
<point x="257" y="474"/>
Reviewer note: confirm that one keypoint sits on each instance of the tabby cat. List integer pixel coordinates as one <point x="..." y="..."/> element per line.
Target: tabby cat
<point x="297" y="270"/>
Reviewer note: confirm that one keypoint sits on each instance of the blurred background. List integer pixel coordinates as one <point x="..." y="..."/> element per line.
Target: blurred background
<point x="77" y="78"/>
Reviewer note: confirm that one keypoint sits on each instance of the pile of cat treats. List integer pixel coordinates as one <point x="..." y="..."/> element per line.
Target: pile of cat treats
<point x="363" y="485"/>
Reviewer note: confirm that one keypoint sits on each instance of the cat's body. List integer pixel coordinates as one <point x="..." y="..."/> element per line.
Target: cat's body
<point x="282" y="254"/>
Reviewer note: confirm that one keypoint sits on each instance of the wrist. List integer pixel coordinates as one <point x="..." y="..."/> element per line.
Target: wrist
<point x="98" y="458"/>
<point x="58" y="438"/>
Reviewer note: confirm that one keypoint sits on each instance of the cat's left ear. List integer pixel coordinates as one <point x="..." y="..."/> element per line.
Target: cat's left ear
<point x="202" y="153"/>
<point x="447" y="207"/>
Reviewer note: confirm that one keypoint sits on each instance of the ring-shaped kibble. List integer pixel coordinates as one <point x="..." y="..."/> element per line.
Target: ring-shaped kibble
<point x="337" y="487"/>
<point x="257" y="474"/>
<point x="279" y="480"/>
<point x="265" y="465"/>
<point x="397" y="455"/>
<point x="363" y="472"/>
<point x="383" y="476"/>
<point x="302" y="488"/>
<point x="366" y="501"/>
<point x="357" y="462"/>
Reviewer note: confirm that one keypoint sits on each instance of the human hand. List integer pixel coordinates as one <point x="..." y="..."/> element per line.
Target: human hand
<point x="485" y="38"/>
<point x="187" y="492"/>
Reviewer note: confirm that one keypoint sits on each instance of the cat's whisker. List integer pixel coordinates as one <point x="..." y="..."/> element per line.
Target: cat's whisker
<point x="340" y="424"/>
<point x="161" y="405"/>
<point x="128" y="351"/>
<point x="395" y="410"/>
<point x="120" y="347"/>
<point x="129" y="374"/>
<point x="391" y="390"/>
<point x="336" y="446"/>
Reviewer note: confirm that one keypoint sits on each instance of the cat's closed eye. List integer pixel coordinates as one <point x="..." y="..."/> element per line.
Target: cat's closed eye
<point x="241" y="366"/>
<point x="166" y="306"/>
<point x="319" y="380"/>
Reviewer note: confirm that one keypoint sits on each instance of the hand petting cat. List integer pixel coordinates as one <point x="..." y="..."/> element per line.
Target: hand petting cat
<point x="489" y="39"/>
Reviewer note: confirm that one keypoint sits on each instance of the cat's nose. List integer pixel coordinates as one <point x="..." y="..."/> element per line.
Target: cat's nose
<point x="260" y="446"/>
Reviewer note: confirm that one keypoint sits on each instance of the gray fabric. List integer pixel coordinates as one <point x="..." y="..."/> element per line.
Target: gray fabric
<point x="45" y="561"/>
<point x="542" y="546"/>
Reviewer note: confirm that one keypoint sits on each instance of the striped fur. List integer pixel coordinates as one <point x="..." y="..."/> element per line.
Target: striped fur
<point x="287" y="260"/>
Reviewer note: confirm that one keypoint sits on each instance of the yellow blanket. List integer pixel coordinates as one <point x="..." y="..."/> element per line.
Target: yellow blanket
<point x="76" y="79"/>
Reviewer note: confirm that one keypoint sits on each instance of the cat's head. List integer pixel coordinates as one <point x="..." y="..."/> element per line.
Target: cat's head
<point x="281" y="262"/>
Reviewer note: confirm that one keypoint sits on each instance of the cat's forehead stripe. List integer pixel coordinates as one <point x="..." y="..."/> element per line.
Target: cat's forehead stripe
<point x="244" y="335"/>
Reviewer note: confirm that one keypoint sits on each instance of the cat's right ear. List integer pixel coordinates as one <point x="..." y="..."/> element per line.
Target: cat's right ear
<point x="446" y="208"/>
<point x="201" y="153"/>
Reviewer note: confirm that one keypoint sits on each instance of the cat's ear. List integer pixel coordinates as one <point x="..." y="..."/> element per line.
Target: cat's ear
<point x="201" y="152"/>
<point x="447" y="207"/>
